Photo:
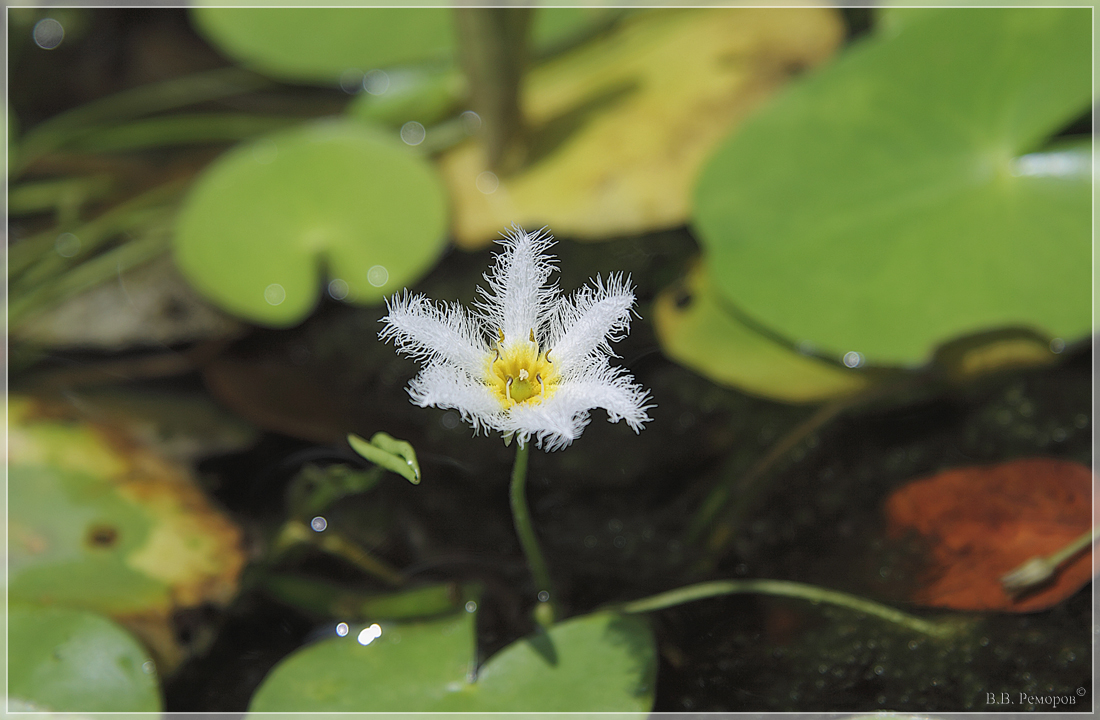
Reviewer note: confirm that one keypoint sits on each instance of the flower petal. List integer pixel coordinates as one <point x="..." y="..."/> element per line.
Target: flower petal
<point x="593" y="318"/>
<point x="425" y="331"/>
<point x="520" y="297"/>
<point x="443" y="385"/>
<point x="560" y="418"/>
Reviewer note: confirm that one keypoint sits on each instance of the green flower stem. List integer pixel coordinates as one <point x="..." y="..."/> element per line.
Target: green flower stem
<point x="784" y="588"/>
<point x="1038" y="570"/>
<point x="521" y="516"/>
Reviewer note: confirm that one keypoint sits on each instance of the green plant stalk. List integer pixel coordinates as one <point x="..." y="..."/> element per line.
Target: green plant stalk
<point x="1038" y="570"/>
<point x="61" y="129"/>
<point x="88" y="274"/>
<point x="521" y="517"/>
<point x="784" y="588"/>
<point x="35" y="257"/>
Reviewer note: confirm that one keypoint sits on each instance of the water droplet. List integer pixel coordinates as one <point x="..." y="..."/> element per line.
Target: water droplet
<point x="378" y="276"/>
<point x="1057" y="345"/>
<point x="376" y="82"/>
<point x="369" y="634"/>
<point x="318" y="524"/>
<point x="544" y="596"/>
<point x="472" y="121"/>
<point x="1058" y="435"/>
<point x="614" y="525"/>
<point x="48" y="33"/>
<point x="853" y="359"/>
<point x="619" y="542"/>
<point x="67" y="245"/>
<point x="351" y="81"/>
<point x="342" y="629"/>
<point x="148" y="667"/>
<point x="413" y="133"/>
<point x="449" y="420"/>
<point x="487" y="182"/>
<point x="274" y="294"/>
<point x="471" y="606"/>
<point x="590" y="541"/>
<point x="337" y="289"/>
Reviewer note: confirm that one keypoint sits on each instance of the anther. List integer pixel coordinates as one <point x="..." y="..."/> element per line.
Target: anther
<point x="532" y="335"/>
<point x="523" y="374"/>
<point x="501" y="331"/>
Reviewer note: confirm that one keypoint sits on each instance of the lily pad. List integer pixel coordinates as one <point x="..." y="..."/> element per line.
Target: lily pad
<point x="266" y="222"/>
<point x="621" y="126"/>
<point x="318" y="45"/>
<point x="697" y="329"/>
<point x="100" y="522"/>
<point x="599" y="662"/>
<point x="66" y="660"/>
<point x="900" y="197"/>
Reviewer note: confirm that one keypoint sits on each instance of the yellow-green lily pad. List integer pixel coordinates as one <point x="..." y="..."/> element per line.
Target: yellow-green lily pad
<point x="320" y="44"/>
<point x="65" y="660"/>
<point x="620" y="126"/>
<point x="604" y="662"/>
<point x="905" y="195"/>
<point x="697" y="329"/>
<point x="99" y="522"/>
<point x="273" y="221"/>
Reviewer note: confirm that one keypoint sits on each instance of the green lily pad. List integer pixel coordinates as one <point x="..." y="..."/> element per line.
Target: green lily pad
<point x="266" y="221"/>
<point x="100" y="522"/>
<point x="65" y="660"/>
<point x="319" y="45"/>
<point x="598" y="662"/>
<point x="898" y="199"/>
<point x="696" y="329"/>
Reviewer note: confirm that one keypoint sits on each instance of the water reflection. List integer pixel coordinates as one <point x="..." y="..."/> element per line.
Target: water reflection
<point x="378" y="276"/>
<point x="487" y="182"/>
<point x="67" y="245"/>
<point x="853" y="359"/>
<point x="376" y="82"/>
<point x="274" y="294"/>
<point x="337" y="289"/>
<point x="318" y="524"/>
<point x="369" y="634"/>
<point x="1053" y="164"/>
<point x="342" y="629"/>
<point x="413" y="133"/>
<point x="48" y="33"/>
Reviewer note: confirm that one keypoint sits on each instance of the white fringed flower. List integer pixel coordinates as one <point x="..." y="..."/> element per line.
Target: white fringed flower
<point x="528" y="362"/>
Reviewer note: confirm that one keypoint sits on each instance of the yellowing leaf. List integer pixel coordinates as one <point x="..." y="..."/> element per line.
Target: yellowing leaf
<point x="696" y="331"/>
<point x="621" y="126"/>
<point x="101" y="522"/>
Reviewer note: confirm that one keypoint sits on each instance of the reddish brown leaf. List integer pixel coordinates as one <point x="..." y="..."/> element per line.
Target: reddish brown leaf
<point x="979" y="523"/>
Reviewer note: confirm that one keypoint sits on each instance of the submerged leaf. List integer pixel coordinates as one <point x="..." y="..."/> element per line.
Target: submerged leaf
<point x="977" y="524"/>
<point x="621" y="126"/>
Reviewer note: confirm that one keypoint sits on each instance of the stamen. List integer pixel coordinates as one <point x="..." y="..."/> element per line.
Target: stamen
<point x="523" y="374"/>
<point x="508" y="389"/>
<point x="497" y="357"/>
<point x="548" y="358"/>
<point x="542" y="388"/>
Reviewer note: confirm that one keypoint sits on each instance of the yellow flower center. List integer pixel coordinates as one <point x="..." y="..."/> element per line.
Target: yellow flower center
<point x="519" y="373"/>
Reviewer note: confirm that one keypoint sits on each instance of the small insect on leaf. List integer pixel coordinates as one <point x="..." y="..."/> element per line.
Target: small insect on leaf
<point x="390" y="453"/>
